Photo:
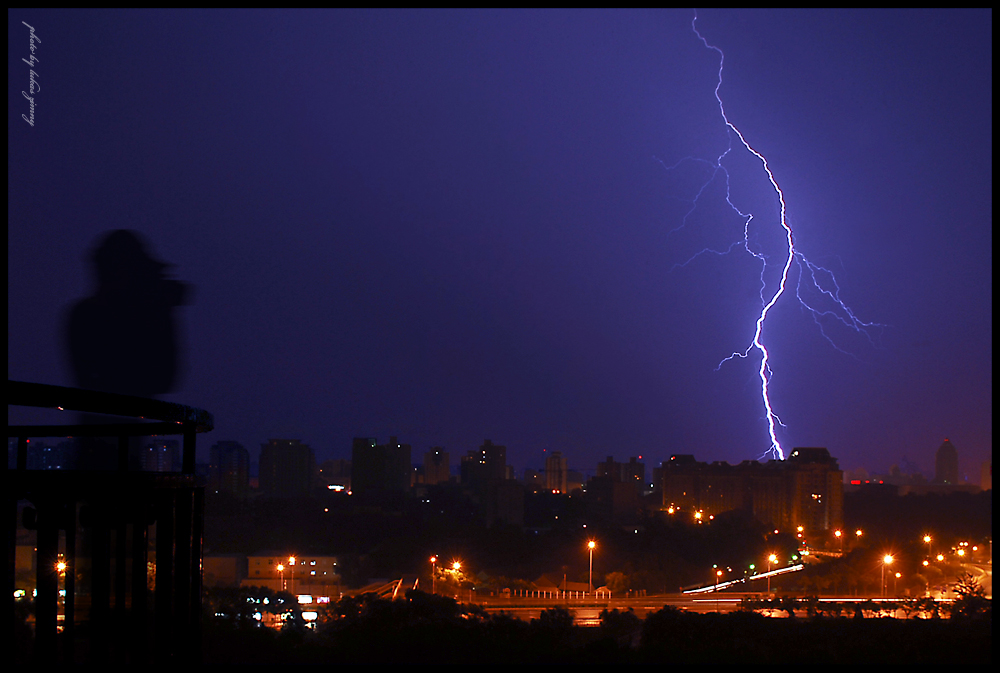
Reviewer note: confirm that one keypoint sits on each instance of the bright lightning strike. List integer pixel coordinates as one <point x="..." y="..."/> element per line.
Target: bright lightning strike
<point x="811" y="276"/>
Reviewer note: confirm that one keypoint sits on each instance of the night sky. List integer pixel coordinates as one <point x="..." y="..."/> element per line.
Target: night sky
<point x="450" y="226"/>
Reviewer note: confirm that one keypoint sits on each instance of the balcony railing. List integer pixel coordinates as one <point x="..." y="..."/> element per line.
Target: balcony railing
<point x="131" y="540"/>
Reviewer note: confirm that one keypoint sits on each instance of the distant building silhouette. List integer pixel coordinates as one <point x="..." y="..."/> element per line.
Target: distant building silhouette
<point x="45" y="455"/>
<point x="488" y="480"/>
<point x="617" y="486"/>
<point x="483" y="467"/>
<point x="556" y="472"/>
<point x="229" y="469"/>
<point x="335" y="474"/>
<point x="161" y="455"/>
<point x="946" y="464"/>
<point x="287" y="468"/>
<point x="534" y="480"/>
<point x="436" y="466"/>
<point x="632" y="472"/>
<point x="804" y="490"/>
<point x="380" y="468"/>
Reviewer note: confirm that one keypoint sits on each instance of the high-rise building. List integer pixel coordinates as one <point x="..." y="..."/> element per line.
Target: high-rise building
<point x="632" y="472"/>
<point x="555" y="472"/>
<point x="229" y="468"/>
<point x="486" y="477"/>
<point x="287" y="468"/>
<point x="616" y="487"/>
<point x="380" y="468"/>
<point x="335" y="475"/>
<point x="486" y="466"/>
<point x="946" y="464"/>
<point x="804" y="490"/>
<point x="436" y="466"/>
<point x="161" y="455"/>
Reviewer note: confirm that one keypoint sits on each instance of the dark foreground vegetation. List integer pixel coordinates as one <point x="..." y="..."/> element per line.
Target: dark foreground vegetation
<point x="432" y="629"/>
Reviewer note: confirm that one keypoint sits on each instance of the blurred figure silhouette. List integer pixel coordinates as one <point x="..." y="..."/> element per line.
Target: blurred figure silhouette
<point x="123" y="338"/>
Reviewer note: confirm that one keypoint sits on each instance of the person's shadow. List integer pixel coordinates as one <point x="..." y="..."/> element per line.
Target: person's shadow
<point x="122" y="338"/>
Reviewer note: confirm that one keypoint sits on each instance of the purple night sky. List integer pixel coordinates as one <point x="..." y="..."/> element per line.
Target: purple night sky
<point x="450" y="226"/>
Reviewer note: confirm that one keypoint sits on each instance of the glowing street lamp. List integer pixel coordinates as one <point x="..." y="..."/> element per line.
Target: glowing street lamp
<point x="927" y="541"/>
<point x="590" y="545"/>
<point x="770" y="559"/>
<point x="281" y="571"/>
<point x="434" y="560"/>
<point x="839" y="534"/>
<point x="886" y="560"/>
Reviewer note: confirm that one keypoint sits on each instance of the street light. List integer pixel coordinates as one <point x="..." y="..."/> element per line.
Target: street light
<point x="840" y="536"/>
<point x="434" y="560"/>
<point x="927" y="541"/>
<point x="770" y="559"/>
<point x="590" y="545"/>
<point x="281" y="571"/>
<point x="886" y="560"/>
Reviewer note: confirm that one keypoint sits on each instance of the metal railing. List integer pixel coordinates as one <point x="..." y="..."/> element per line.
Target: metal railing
<point x="128" y="535"/>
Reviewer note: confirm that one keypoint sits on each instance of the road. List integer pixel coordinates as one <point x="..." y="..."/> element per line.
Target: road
<point x="587" y="611"/>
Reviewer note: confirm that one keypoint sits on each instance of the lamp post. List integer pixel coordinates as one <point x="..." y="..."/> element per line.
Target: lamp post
<point x="718" y="574"/>
<point x="927" y="541"/>
<point x="291" y="564"/>
<point x="886" y="560"/>
<point x="770" y="559"/>
<point x="61" y="567"/>
<point x="281" y="571"/>
<point x="840" y="536"/>
<point x="590" y="545"/>
<point x="434" y="560"/>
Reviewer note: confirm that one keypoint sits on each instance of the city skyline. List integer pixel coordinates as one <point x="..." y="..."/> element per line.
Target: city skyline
<point x="908" y="472"/>
<point x="449" y="226"/>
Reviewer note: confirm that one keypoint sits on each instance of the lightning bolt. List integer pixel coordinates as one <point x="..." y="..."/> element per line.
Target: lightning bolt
<point x="812" y="278"/>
